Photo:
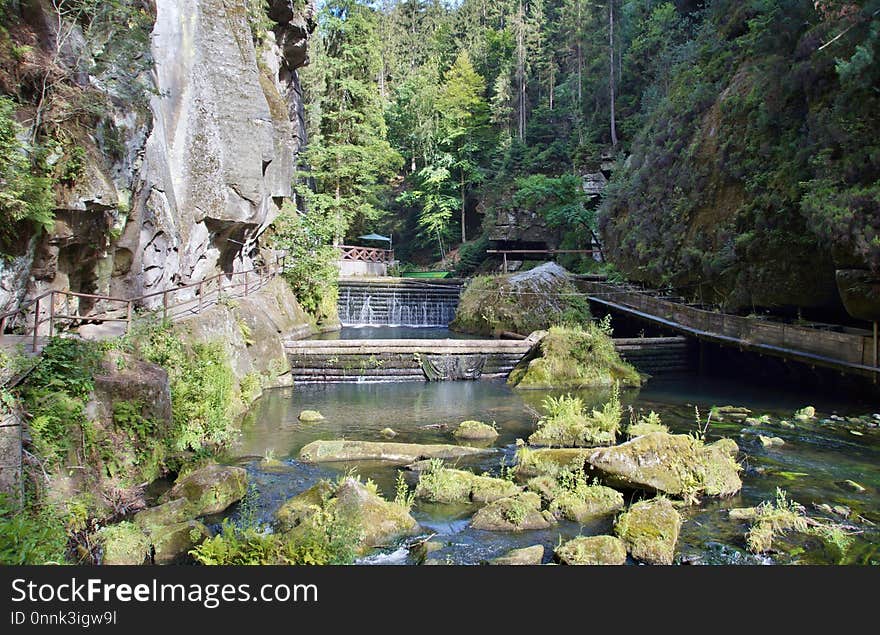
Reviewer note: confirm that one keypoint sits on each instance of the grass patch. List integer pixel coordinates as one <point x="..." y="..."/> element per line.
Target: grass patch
<point x="566" y="422"/>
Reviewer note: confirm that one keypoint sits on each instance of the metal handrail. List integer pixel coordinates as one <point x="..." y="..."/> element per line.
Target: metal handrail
<point x="264" y="273"/>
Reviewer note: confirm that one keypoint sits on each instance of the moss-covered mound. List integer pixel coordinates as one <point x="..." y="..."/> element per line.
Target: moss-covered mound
<point x="475" y="431"/>
<point x="568" y="423"/>
<point x="444" y="485"/>
<point x="521" y="303"/>
<point x="592" y="550"/>
<point x="516" y="513"/>
<point x="676" y="464"/>
<point x="211" y="489"/>
<point x="574" y="357"/>
<point x="369" y="520"/>
<point x="124" y="544"/>
<point x="343" y="450"/>
<point x="548" y="461"/>
<point x="650" y="530"/>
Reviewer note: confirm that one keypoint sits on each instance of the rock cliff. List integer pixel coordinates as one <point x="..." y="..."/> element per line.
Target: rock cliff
<point x="181" y="185"/>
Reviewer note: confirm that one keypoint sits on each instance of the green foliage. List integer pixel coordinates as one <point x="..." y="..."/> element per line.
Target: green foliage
<point x="26" y="195"/>
<point x="310" y="268"/>
<point x="567" y="422"/>
<point x="560" y="200"/>
<point x="30" y="535"/>
<point x="324" y="538"/>
<point x="402" y="495"/>
<point x="201" y="380"/>
<point x="55" y="394"/>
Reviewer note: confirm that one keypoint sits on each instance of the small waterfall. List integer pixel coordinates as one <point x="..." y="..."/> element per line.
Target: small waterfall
<point x="397" y="304"/>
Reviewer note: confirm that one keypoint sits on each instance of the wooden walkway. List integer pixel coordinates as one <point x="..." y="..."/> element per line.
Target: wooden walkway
<point x="843" y="349"/>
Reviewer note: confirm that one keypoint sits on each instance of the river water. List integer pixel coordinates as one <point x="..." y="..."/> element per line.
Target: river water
<point x="808" y="467"/>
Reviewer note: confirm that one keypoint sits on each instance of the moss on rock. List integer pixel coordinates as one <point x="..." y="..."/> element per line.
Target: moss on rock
<point x="175" y="511"/>
<point x="526" y="556"/>
<point x="124" y="544"/>
<point x="211" y="489"/>
<point x="574" y="357"/>
<point x="567" y="423"/>
<point x="592" y="550"/>
<point x="676" y="464"/>
<point x="404" y="453"/>
<point x="650" y="530"/>
<point x="301" y="507"/>
<point x="310" y="416"/>
<point x="444" y="485"/>
<point x="515" y="513"/>
<point x="475" y="431"/>
<point x="532" y="462"/>
<point x="172" y="542"/>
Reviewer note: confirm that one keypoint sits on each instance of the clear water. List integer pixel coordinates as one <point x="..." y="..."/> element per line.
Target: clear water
<point x="808" y="466"/>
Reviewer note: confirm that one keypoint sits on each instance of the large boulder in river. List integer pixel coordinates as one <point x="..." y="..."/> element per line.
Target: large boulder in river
<point x="516" y="513"/>
<point x="175" y="511"/>
<point x="519" y="303"/>
<point x="475" y="431"/>
<point x="172" y="542"/>
<point x="303" y="506"/>
<point x="211" y="489"/>
<point x="444" y="485"/>
<point x="402" y="453"/>
<point x="351" y="504"/>
<point x="383" y="522"/>
<point x="525" y="556"/>
<point x="592" y="550"/>
<point x="676" y="464"/>
<point x="124" y="544"/>
<point x="574" y="357"/>
<point x="650" y="530"/>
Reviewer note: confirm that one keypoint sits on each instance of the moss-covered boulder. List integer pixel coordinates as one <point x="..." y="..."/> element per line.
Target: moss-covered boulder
<point x="584" y="503"/>
<point x="444" y="485"/>
<point x="520" y="303"/>
<point x="475" y="431"/>
<point x="172" y="542"/>
<point x="348" y="507"/>
<point x="592" y="550"/>
<point x="401" y="453"/>
<point x="383" y="522"/>
<point x="170" y="513"/>
<point x="574" y="357"/>
<point x="676" y="464"/>
<point x="650" y="530"/>
<point x="211" y="489"/>
<point x="301" y="507"/>
<point x="124" y="544"/>
<point x="526" y="556"/>
<point x="515" y="513"/>
<point x="310" y="416"/>
<point x="537" y="461"/>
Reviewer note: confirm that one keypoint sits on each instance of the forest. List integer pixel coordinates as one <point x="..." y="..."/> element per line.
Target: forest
<point x="737" y="129"/>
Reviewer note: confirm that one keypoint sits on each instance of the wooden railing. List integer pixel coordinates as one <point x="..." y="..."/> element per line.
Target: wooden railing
<point x="196" y="297"/>
<point x="366" y="254"/>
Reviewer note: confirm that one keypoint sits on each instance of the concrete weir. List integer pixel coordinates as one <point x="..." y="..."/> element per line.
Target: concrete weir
<point x="402" y="360"/>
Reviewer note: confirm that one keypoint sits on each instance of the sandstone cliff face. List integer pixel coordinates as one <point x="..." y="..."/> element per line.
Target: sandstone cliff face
<point x="194" y="179"/>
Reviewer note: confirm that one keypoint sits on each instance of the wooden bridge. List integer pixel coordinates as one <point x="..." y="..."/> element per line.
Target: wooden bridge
<point x="382" y="360"/>
<point x="844" y="349"/>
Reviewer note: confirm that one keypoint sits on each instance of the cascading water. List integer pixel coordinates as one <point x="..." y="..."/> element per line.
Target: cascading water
<point x="397" y="304"/>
